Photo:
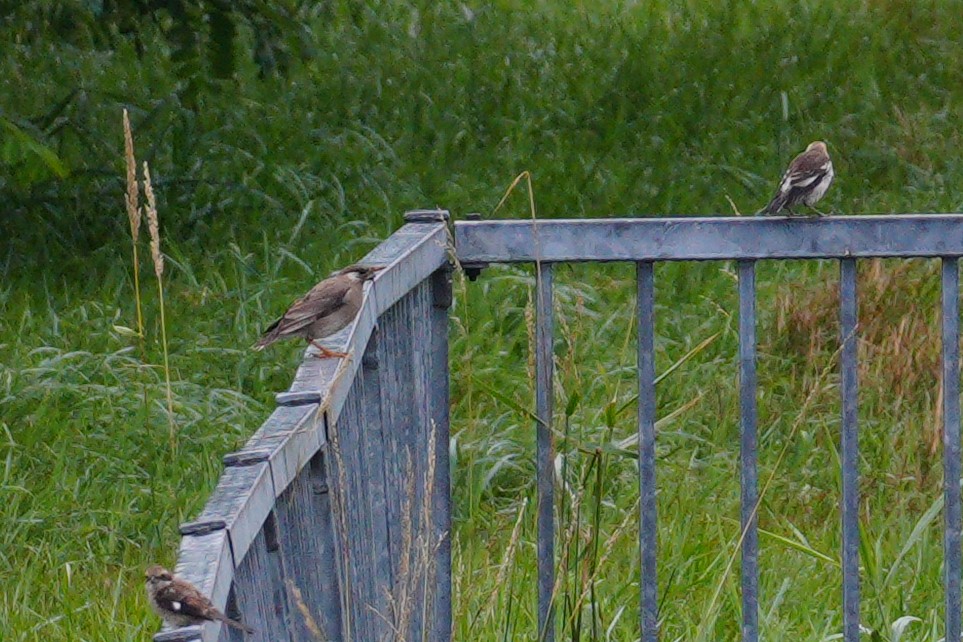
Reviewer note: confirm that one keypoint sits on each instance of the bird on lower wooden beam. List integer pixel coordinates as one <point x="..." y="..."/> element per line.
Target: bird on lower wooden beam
<point x="180" y="603"/>
<point x="805" y="182"/>
<point x="327" y="308"/>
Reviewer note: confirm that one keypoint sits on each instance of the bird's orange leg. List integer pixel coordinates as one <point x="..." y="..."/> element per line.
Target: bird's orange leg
<point x="326" y="353"/>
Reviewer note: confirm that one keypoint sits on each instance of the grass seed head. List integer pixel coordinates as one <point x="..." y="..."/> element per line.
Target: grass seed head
<point x="152" y="224"/>
<point x="131" y="197"/>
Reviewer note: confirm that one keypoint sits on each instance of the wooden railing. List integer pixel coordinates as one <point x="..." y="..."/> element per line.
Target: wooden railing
<point x="332" y="522"/>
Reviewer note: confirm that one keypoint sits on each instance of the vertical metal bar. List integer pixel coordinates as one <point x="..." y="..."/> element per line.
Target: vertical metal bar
<point x="648" y="535"/>
<point x="850" y="450"/>
<point x="544" y="333"/>
<point x="749" y="475"/>
<point x="951" y="445"/>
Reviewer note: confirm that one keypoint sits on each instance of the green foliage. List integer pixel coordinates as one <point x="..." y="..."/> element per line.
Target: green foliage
<point x="25" y="158"/>
<point x="286" y="138"/>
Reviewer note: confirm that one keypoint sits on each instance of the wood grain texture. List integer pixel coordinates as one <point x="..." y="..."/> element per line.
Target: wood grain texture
<point x="260" y="589"/>
<point x="290" y="437"/>
<point x="242" y="500"/>
<point x="439" y="399"/>
<point x="339" y="520"/>
<point x="304" y="520"/>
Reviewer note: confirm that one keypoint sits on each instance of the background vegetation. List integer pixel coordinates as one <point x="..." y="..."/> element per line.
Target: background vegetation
<point x="286" y="138"/>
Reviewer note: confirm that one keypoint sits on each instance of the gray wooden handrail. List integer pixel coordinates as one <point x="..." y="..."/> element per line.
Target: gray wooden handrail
<point x="320" y="525"/>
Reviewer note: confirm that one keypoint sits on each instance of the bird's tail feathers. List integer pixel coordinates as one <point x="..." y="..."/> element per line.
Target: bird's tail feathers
<point x="270" y="336"/>
<point x="235" y="624"/>
<point x="775" y="205"/>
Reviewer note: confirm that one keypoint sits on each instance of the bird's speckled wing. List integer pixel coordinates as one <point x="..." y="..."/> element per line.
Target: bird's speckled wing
<point x="183" y="599"/>
<point x="324" y="299"/>
<point x="805" y="171"/>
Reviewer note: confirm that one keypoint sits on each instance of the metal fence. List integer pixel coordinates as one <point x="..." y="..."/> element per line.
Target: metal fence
<point x="332" y="522"/>
<point x="745" y="240"/>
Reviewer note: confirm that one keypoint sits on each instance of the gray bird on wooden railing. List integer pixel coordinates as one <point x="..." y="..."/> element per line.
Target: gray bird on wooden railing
<point x="805" y="182"/>
<point x="179" y="603"/>
<point x="329" y="307"/>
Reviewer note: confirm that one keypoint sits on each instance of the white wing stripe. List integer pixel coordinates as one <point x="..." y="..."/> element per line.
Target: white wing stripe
<point x="806" y="181"/>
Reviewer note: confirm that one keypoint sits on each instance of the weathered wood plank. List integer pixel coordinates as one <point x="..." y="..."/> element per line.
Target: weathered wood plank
<point x="185" y="634"/>
<point x="394" y="373"/>
<point x="371" y="445"/>
<point x="357" y="344"/>
<point x="360" y="531"/>
<point x="280" y="522"/>
<point x="410" y="255"/>
<point x="241" y="501"/>
<point x="259" y="585"/>
<point x="313" y="376"/>
<point x="423" y="553"/>
<point x="439" y="391"/>
<point x="304" y="520"/>
<point x="289" y="438"/>
<point x="385" y="519"/>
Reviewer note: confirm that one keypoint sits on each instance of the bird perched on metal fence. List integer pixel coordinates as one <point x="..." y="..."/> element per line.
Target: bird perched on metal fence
<point x="327" y="308"/>
<point x="805" y="182"/>
<point x="179" y="603"/>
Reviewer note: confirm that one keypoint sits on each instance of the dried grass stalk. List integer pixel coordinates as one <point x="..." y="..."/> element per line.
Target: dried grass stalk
<point x="417" y="565"/>
<point x="131" y="197"/>
<point x="309" y="620"/>
<point x="153" y="227"/>
<point x="339" y="507"/>
<point x="487" y="608"/>
<point x="131" y="201"/>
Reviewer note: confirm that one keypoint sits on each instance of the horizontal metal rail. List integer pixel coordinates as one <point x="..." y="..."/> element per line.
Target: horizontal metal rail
<point x="646" y="241"/>
<point x="688" y="239"/>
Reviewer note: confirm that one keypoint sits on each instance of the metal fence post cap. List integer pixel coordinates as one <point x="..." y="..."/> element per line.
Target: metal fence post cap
<point x="427" y="216"/>
<point x="185" y="634"/>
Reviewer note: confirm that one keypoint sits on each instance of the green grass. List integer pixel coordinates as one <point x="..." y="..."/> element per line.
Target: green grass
<point x="266" y="183"/>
